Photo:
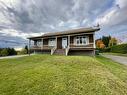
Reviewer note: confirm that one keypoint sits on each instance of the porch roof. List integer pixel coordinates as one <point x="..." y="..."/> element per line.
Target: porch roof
<point x="68" y="32"/>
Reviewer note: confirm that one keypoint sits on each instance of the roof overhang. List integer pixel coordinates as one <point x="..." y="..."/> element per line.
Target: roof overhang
<point x="68" y="32"/>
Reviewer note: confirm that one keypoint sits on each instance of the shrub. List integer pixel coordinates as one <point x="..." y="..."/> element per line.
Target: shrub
<point x="23" y="51"/>
<point x="96" y="52"/>
<point x="108" y="49"/>
<point x="119" y="48"/>
<point x="101" y="50"/>
<point x="4" y="52"/>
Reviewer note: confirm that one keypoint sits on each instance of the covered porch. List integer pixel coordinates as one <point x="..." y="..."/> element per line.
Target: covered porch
<point x="66" y="42"/>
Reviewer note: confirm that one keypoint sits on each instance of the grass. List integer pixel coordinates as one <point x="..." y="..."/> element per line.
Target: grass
<point x="117" y="54"/>
<point x="62" y="75"/>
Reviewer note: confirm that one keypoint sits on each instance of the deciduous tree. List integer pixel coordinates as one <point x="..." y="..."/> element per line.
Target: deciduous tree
<point x="99" y="44"/>
<point x="112" y="42"/>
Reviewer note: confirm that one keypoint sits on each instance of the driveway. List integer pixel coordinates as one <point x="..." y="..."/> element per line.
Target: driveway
<point x="15" y="56"/>
<point x="119" y="59"/>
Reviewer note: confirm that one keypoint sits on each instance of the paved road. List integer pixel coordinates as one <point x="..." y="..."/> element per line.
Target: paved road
<point x="119" y="59"/>
<point x="16" y="56"/>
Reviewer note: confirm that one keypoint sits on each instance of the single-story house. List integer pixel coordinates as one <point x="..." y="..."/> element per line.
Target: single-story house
<point x="71" y="42"/>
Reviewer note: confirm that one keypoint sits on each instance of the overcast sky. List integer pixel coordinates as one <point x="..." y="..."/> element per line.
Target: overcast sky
<point x="20" y="19"/>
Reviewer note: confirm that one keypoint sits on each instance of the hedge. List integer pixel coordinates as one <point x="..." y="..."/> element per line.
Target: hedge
<point x="101" y="50"/>
<point x="119" y="48"/>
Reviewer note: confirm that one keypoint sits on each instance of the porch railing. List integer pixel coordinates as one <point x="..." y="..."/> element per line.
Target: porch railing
<point x="41" y="47"/>
<point x="35" y="47"/>
<point x="90" y="45"/>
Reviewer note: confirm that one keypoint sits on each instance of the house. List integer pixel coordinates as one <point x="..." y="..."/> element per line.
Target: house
<point x="72" y="42"/>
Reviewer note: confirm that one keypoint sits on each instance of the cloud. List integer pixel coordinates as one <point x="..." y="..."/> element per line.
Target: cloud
<point x="113" y="17"/>
<point x="11" y="41"/>
<point x="12" y="32"/>
<point x="38" y="15"/>
<point x="20" y="18"/>
<point x="114" y="20"/>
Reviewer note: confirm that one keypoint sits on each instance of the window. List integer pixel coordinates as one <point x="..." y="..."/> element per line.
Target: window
<point x="52" y="42"/>
<point x="38" y="43"/>
<point x="81" y="40"/>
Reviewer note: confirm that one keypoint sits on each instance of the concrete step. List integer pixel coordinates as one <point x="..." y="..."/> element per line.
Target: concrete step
<point x="60" y="51"/>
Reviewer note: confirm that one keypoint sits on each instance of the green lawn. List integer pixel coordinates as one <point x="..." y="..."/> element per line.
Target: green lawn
<point x="62" y="75"/>
<point x="117" y="54"/>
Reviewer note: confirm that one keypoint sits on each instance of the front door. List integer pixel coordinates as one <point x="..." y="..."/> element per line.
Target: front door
<point x="64" y="42"/>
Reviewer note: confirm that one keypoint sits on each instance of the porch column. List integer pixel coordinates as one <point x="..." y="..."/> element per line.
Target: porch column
<point x="42" y="43"/>
<point x="35" y="43"/>
<point x="29" y="47"/>
<point x="94" y="44"/>
<point x="94" y="40"/>
<point x="56" y="42"/>
<point x="68" y="40"/>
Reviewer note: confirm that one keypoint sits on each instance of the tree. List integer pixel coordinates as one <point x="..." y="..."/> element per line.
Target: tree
<point x="11" y="51"/>
<point x="102" y="45"/>
<point x="4" y="52"/>
<point x="26" y="47"/>
<point x="112" y="42"/>
<point x="105" y="40"/>
<point x="0" y="51"/>
<point x="99" y="44"/>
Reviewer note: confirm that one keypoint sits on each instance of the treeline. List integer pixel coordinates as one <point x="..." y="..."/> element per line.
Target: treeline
<point x="12" y="51"/>
<point x="106" y="41"/>
<point x="110" y="44"/>
<point x="7" y="51"/>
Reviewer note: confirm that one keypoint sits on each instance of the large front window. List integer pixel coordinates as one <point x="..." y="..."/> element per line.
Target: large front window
<point x="38" y="43"/>
<point x="81" y="40"/>
<point x="52" y="42"/>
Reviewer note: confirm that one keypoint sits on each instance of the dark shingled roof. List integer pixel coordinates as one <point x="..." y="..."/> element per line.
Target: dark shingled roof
<point x="67" y="32"/>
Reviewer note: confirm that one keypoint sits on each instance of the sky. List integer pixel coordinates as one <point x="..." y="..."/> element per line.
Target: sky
<point x="20" y="19"/>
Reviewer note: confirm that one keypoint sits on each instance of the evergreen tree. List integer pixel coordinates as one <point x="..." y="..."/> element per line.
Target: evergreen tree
<point x="26" y="47"/>
<point x="106" y="40"/>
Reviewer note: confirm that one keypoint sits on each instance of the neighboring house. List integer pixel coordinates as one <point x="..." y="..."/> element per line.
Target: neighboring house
<point x="71" y="42"/>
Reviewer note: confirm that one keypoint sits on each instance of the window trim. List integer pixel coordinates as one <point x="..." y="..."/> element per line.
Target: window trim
<point x="87" y="40"/>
